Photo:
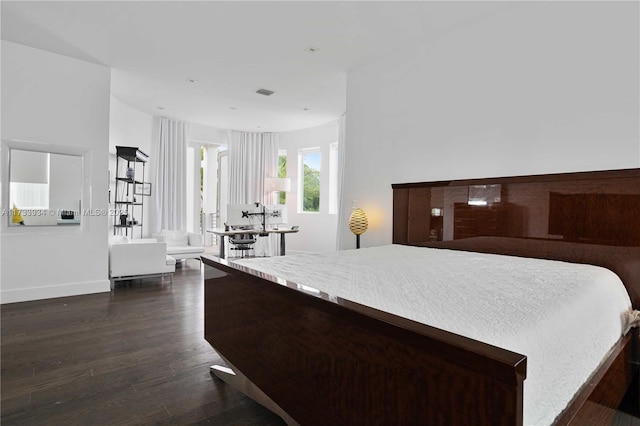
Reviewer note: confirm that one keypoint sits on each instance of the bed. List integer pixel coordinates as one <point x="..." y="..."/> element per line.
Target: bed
<point x="317" y="351"/>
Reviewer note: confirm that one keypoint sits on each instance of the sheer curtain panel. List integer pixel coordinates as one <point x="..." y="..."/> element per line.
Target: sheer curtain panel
<point x="252" y="157"/>
<point x="170" y="175"/>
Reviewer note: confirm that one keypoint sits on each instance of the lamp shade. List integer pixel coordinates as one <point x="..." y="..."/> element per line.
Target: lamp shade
<point x="358" y="221"/>
<point x="274" y="184"/>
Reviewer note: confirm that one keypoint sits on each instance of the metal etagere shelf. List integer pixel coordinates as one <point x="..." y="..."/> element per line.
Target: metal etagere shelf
<point x="130" y="190"/>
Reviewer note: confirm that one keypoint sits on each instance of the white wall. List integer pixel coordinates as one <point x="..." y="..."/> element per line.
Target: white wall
<point x="65" y="182"/>
<point x="29" y="166"/>
<point x="206" y="134"/>
<point x="543" y="87"/>
<point x="317" y="230"/>
<point x="130" y="127"/>
<point x="55" y="100"/>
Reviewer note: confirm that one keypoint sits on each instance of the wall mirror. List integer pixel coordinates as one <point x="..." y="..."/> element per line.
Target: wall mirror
<point x="45" y="188"/>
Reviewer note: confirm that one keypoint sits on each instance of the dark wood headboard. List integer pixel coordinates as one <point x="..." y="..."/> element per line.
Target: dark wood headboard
<point x="585" y="217"/>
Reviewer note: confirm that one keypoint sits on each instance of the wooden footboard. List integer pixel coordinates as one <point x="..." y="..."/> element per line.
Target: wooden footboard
<point x="612" y="391"/>
<point x="324" y="360"/>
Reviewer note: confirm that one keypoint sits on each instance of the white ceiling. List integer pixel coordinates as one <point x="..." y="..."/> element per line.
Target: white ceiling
<point x="232" y="49"/>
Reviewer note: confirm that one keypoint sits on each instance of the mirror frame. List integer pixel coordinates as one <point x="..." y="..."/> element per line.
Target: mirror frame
<point x="6" y="146"/>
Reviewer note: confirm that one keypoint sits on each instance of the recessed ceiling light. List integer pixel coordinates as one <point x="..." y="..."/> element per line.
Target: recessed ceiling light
<point x="233" y="108"/>
<point x="311" y="49"/>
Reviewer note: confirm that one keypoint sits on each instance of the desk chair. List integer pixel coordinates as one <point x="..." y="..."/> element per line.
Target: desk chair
<point x="242" y="242"/>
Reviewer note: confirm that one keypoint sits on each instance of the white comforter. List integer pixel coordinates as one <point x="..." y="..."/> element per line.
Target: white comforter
<point x="564" y="317"/>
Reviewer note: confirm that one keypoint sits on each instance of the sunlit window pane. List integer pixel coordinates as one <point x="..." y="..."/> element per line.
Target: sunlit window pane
<point x="310" y="160"/>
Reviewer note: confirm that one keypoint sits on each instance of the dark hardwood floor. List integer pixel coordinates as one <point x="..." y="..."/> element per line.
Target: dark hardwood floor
<point x="136" y="355"/>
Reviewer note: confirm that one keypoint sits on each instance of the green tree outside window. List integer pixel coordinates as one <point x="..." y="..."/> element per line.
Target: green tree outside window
<point x="311" y="183"/>
<point x="282" y="173"/>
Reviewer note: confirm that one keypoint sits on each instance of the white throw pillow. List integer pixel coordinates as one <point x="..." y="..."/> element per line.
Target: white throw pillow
<point x="176" y="238"/>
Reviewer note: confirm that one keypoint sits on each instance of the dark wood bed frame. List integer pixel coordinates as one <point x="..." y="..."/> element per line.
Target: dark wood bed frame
<point x="316" y="359"/>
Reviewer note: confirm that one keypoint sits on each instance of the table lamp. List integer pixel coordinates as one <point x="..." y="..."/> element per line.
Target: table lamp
<point x="275" y="184"/>
<point x="358" y="224"/>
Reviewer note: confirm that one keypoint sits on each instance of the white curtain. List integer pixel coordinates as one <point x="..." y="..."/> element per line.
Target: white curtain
<point x="170" y="175"/>
<point x="342" y="219"/>
<point x="253" y="157"/>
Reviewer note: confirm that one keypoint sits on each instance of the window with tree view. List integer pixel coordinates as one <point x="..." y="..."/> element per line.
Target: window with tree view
<point x="282" y="173"/>
<point x="310" y="197"/>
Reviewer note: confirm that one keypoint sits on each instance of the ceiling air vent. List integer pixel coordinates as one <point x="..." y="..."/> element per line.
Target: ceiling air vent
<point x="265" y="92"/>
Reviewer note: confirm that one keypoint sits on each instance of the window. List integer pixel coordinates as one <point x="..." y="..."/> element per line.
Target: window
<point x="197" y="195"/>
<point x="310" y="180"/>
<point x="282" y="173"/>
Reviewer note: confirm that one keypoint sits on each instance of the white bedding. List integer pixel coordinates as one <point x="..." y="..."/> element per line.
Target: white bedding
<point x="564" y="317"/>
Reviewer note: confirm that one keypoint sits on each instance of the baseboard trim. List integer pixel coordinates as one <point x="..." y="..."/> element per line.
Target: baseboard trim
<point x="53" y="291"/>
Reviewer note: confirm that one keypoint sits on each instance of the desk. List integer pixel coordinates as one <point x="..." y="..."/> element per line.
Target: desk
<point x="221" y="233"/>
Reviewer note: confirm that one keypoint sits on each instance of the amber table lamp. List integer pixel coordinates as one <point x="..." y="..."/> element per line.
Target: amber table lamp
<point x="358" y="224"/>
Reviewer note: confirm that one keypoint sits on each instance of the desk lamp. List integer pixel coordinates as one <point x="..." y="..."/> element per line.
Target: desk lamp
<point x="358" y="224"/>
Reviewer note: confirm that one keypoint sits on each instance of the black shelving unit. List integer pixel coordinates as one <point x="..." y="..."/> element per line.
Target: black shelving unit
<point x="129" y="203"/>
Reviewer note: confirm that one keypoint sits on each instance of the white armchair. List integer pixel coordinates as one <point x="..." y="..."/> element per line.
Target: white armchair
<point x="182" y="244"/>
<point x="140" y="258"/>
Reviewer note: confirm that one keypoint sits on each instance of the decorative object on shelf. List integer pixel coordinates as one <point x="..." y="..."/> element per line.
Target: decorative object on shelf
<point x="358" y="224"/>
<point x="130" y="173"/>
<point x="142" y="188"/>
